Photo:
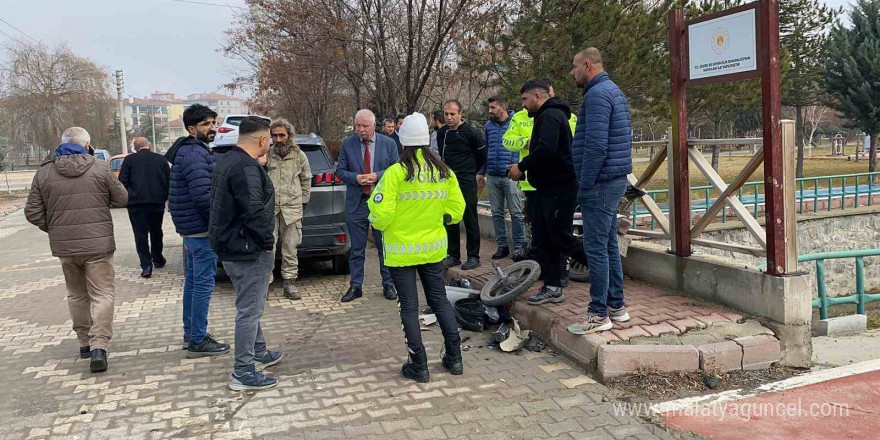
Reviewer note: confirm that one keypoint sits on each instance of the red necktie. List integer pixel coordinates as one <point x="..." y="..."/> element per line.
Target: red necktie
<point x="367" y="168"/>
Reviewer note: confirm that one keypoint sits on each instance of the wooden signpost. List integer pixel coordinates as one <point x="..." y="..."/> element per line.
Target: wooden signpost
<point x="732" y="45"/>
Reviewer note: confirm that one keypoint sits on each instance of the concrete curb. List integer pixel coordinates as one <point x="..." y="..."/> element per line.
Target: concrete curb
<point x="844" y="325"/>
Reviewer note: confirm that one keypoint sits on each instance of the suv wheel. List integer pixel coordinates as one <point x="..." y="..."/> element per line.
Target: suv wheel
<point x="340" y="264"/>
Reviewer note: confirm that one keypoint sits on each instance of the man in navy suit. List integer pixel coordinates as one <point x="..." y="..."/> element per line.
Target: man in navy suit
<point x="363" y="159"/>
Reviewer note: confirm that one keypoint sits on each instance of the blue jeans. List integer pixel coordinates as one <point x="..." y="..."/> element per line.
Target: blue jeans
<point x="502" y="189"/>
<point x="599" y="209"/>
<point x="201" y="267"/>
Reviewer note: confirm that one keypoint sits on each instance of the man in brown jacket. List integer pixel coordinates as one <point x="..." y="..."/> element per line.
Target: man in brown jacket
<point x="70" y="198"/>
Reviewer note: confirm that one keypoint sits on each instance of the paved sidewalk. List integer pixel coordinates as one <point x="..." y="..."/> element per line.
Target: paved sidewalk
<point x="340" y="377"/>
<point x="655" y="313"/>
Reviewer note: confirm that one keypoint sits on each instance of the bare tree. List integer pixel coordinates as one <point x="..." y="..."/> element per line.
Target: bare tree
<point x="813" y="115"/>
<point x="318" y="61"/>
<point x="45" y="91"/>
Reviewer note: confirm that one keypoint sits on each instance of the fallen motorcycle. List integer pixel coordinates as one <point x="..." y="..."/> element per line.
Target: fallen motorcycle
<point x="507" y="285"/>
<point x="510" y="282"/>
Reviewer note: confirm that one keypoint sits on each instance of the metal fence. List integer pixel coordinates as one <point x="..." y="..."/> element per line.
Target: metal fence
<point x="810" y="189"/>
<point x="859" y="298"/>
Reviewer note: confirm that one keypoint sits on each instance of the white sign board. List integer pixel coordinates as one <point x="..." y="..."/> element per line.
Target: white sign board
<point x="723" y="45"/>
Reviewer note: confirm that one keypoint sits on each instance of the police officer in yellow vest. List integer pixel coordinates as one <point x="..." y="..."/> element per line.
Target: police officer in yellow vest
<point x="413" y="202"/>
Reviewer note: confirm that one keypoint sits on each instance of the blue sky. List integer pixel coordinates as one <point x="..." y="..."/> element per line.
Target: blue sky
<point x="159" y="44"/>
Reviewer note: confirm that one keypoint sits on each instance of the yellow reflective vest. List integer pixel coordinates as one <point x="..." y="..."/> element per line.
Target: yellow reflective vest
<point x="518" y="135"/>
<point x="410" y="214"/>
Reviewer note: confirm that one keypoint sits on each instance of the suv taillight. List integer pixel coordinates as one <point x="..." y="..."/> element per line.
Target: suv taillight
<point x="224" y="130"/>
<point x="324" y="179"/>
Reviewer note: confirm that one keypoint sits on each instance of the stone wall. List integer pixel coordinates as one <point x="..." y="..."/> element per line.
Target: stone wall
<point x="824" y="232"/>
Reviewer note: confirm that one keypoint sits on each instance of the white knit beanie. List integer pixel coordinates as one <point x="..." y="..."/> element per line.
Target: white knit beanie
<point x="414" y="131"/>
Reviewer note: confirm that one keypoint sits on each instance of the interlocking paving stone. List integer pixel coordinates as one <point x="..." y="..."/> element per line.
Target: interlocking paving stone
<point x="339" y="379"/>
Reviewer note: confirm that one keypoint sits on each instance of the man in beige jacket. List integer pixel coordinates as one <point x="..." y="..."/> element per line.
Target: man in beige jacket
<point x="70" y="198"/>
<point x="290" y="173"/>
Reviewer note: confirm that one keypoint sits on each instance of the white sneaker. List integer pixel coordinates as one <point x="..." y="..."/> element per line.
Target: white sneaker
<point x="618" y="315"/>
<point x="590" y="323"/>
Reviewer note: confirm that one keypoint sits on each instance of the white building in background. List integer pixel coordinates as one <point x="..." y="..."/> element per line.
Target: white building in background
<point x="222" y="104"/>
<point x="166" y="109"/>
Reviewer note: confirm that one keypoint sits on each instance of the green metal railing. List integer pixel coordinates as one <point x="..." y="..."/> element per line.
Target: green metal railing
<point x="859" y="298"/>
<point x="751" y="194"/>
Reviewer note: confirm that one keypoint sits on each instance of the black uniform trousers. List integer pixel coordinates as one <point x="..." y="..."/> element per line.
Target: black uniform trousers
<point x="553" y="214"/>
<point x="434" y="284"/>
<point x="146" y="220"/>
<point x="468" y="185"/>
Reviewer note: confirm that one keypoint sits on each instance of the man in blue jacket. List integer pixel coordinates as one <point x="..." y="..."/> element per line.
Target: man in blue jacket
<point x="602" y="152"/>
<point x="189" y="200"/>
<point x="501" y="188"/>
<point x="363" y="160"/>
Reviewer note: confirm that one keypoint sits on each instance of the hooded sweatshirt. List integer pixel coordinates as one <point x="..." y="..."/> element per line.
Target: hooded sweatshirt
<point x="70" y="198"/>
<point x="549" y="162"/>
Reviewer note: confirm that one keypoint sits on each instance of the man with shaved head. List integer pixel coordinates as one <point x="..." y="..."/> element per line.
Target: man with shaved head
<point x="146" y="176"/>
<point x="363" y="159"/>
<point x="602" y="153"/>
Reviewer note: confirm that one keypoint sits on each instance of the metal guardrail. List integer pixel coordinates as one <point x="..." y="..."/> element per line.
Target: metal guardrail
<point x="752" y="194"/>
<point x="859" y="298"/>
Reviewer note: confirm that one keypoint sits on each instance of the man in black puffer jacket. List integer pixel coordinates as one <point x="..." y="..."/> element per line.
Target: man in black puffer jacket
<point x="241" y="231"/>
<point x="552" y="174"/>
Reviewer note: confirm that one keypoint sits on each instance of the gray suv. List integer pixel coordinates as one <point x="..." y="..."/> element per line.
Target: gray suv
<point x="325" y="234"/>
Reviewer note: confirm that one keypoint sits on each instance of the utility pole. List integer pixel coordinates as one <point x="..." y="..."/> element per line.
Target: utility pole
<point x="153" y="122"/>
<point x="121" y="112"/>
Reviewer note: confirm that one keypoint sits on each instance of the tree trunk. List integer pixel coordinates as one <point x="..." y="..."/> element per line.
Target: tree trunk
<point x="716" y="149"/>
<point x="872" y="153"/>
<point x="799" y="138"/>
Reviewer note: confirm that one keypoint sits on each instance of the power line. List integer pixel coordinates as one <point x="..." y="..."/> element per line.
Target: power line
<point x="19" y="30"/>
<point x="208" y="4"/>
<point x="17" y="41"/>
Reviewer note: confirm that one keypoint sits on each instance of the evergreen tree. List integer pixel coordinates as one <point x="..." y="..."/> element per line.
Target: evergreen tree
<point x="803" y="32"/>
<point x="854" y="71"/>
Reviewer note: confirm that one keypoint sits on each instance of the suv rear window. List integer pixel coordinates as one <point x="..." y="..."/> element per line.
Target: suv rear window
<point x="234" y="120"/>
<point x="317" y="159"/>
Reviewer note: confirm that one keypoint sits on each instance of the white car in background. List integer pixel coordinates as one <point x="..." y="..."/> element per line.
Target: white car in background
<point x="227" y="132"/>
<point x="102" y="155"/>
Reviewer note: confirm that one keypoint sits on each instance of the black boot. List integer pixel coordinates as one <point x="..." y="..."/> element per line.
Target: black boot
<point x="98" y="364"/>
<point x="503" y="251"/>
<point x="452" y="357"/>
<point x="416" y="368"/>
